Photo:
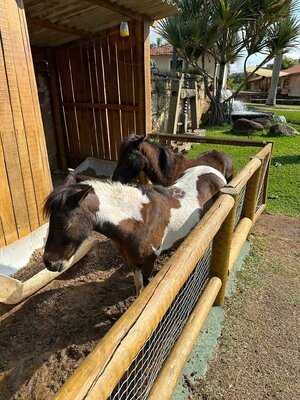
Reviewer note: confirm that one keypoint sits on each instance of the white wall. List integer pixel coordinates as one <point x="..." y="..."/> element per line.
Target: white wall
<point x="294" y="86"/>
<point x="162" y="63"/>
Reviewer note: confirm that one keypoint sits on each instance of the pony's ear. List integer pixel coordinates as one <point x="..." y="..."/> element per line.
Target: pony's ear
<point x="73" y="178"/>
<point x="70" y="179"/>
<point x="136" y="140"/>
<point x="165" y="159"/>
<point x="80" y="193"/>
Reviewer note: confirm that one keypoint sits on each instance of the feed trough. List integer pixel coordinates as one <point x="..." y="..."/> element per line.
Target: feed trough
<point x="96" y="168"/>
<point x="13" y="291"/>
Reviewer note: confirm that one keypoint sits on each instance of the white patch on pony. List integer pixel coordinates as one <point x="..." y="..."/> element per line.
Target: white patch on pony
<point x="156" y="251"/>
<point x="183" y="219"/>
<point x="118" y="202"/>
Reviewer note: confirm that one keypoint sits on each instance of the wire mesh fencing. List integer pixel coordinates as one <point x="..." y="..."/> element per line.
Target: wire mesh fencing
<point x="240" y="205"/>
<point x="262" y="184"/>
<point x="136" y="383"/>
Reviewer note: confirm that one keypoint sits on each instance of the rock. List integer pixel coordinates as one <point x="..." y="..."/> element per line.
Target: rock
<point x="180" y="147"/>
<point x="266" y="122"/>
<point x="280" y="119"/>
<point x="283" y="130"/>
<point x="247" y="126"/>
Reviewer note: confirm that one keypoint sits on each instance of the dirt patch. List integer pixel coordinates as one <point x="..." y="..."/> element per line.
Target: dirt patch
<point x="258" y="352"/>
<point x="43" y="342"/>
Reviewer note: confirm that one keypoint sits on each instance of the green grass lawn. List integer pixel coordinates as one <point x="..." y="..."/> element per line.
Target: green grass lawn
<point x="284" y="182"/>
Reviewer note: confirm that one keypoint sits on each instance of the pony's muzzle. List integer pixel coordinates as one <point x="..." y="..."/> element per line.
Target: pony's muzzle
<point x="54" y="266"/>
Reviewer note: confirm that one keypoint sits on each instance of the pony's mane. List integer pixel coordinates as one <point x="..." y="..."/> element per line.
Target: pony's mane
<point x="56" y="200"/>
<point x="165" y="158"/>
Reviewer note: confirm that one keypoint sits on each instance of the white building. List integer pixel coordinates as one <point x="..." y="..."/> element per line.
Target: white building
<point x="161" y="57"/>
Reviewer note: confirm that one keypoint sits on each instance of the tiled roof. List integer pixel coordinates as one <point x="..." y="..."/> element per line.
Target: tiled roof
<point x="267" y="73"/>
<point x="163" y="50"/>
<point x="293" y="70"/>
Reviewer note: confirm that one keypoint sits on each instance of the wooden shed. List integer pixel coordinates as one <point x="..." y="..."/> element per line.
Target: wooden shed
<point x="93" y="87"/>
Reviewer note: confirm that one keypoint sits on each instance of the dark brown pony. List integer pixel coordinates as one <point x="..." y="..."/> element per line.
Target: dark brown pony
<point x="138" y="155"/>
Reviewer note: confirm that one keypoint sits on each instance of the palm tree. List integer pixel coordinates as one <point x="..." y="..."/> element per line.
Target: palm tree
<point x="285" y="27"/>
<point x="226" y="30"/>
<point x="271" y="100"/>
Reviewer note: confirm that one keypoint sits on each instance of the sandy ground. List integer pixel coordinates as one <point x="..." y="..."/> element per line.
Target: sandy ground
<point x="43" y="342"/>
<point x="258" y="354"/>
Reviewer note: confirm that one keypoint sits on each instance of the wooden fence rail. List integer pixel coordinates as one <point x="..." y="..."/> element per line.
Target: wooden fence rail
<point x="191" y="138"/>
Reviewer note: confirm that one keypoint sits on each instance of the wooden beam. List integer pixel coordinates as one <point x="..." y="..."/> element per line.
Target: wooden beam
<point x="206" y="139"/>
<point x="118" y="9"/>
<point x="143" y="87"/>
<point x="221" y="253"/>
<point x="174" y="108"/>
<point x="242" y="178"/>
<point x="56" y="109"/>
<point x="101" y="106"/>
<point x="43" y="23"/>
<point x="239" y="237"/>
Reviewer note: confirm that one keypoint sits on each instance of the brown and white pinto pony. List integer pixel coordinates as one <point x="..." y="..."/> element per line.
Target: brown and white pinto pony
<point x="142" y="221"/>
<point x="138" y="156"/>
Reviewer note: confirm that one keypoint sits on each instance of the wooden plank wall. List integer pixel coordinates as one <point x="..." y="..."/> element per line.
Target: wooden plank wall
<point x="102" y="92"/>
<point x="25" y="178"/>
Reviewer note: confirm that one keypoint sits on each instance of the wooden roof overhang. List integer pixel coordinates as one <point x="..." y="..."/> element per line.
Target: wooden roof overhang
<point x="56" y="22"/>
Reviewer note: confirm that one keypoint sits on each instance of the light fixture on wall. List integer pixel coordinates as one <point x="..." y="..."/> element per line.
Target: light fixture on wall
<point x="124" y="29"/>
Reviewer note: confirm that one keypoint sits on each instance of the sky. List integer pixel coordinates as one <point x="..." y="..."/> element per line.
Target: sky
<point x="253" y="61"/>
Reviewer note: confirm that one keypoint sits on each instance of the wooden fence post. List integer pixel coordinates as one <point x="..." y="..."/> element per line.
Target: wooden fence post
<point x="251" y="194"/>
<point x="144" y="115"/>
<point x="256" y="182"/>
<point x="221" y="248"/>
<point x="268" y="148"/>
<point x="195" y="112"/>
<point x="174" y="106"/>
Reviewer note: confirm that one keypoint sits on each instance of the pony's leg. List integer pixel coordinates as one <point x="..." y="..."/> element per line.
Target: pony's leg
<point x="148" y="268"/>
<point x="138" y="281"/>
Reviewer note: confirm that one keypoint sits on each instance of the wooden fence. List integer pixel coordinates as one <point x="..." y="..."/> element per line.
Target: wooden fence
<point x="102" y="93"/>
<point x="141" y="357"/>
<point x="25" y="177"/>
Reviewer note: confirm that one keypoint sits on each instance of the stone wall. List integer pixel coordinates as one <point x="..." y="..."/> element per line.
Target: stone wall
<point x="161" y="94"/>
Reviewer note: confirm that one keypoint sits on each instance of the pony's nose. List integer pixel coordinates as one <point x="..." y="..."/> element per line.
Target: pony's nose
<point x="54" y="266"/>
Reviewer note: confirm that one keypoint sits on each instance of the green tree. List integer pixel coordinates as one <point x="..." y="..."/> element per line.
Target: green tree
<point x="158" y="41"/>
<point x="234" y="80"/>
<point x="225" y="30"/>
<point x="288" y="62"/>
